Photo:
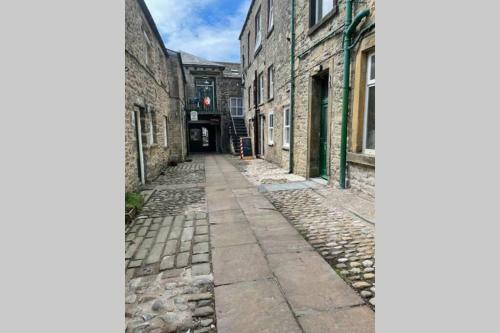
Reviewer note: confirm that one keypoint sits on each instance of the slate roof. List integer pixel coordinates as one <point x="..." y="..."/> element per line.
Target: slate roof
<point x="190" y="59"/>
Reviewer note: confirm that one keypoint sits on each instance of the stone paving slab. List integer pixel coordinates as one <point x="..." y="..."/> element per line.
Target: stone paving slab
<point x="224" y="235"/>
<point x="254" y="306"/>
<point x="305" y="277"/>
<point x="227" y="216"/>
<point x="349" y="320"/>
<point x="239" y="263"/>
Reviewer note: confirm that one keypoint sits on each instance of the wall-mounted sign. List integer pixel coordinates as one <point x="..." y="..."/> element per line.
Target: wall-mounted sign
<point x="194" y="116"/>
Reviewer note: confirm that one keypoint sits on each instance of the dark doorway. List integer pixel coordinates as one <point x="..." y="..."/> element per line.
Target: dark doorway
<point x="318" y="158"/>
<point x="202" y="138"/>
<point x="256" y="134"/>
<point x="323" y="130"/>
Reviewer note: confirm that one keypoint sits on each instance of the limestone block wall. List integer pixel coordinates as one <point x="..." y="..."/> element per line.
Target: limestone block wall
<point x="151" y="79"/>
<point x="274" y="51"/>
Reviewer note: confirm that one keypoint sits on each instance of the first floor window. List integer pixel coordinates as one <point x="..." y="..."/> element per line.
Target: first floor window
<point x="236" y="106"/>
<point x="270" y="82"/>
<point x="369" y="119"/>
<point x="258" y="35"/>
<point x="286" y="128"/>
<point x="165" y="132"/>
<point x="249" y="97"/>
<point x="319" y="9"/>
<point x="270" y="15"/>
<point x="260" y="96"/>
<point x="270" y="130"/>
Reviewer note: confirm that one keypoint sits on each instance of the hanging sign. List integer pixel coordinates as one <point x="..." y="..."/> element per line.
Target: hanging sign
<point x="194" y="116"/>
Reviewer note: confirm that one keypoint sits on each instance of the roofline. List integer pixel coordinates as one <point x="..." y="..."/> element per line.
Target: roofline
<point x="204" y="65"/>
<point x="152" y="23"/>
<point x="246" y="19"/>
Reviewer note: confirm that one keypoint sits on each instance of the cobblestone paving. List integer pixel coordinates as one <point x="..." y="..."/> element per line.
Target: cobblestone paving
<point x="185" y="173"/>
<point x="346" y="242"/>
<point x="175" y="202"/>
<point x="169" y="281"/>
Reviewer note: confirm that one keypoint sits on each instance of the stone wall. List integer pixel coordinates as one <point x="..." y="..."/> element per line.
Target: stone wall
<point x="154" y="80"/>
<point x="362" y="178"/>
<point x="275" y="51"/>
<point x="318" y="52"/>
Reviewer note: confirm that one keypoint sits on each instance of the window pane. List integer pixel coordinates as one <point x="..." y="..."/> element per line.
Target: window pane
<point x="327" y="7"/>
<point x="370" y="119"/>
<point x="372" y="67"/>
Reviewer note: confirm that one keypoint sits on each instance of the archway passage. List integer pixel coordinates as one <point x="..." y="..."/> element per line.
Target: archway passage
<point x="202" y="138"/>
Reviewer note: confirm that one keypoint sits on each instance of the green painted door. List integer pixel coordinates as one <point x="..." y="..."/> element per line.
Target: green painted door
<point x="323" y="133"/>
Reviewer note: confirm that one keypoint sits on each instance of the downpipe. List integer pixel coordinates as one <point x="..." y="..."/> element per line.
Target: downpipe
<point x="292" y="85"/>
<point x="350" y="27"/>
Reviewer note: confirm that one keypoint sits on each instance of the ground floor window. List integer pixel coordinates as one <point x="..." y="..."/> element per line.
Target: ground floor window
<point x="286" y="128"/>
<point x="270" y="129"/>
<point x="369" y="116"/>
<point x="165" y="133"/>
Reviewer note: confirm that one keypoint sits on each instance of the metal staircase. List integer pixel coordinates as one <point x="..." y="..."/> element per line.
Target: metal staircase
<point x="236" y="131"/>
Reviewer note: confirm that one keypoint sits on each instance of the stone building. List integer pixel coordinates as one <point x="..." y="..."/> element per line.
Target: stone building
<point x="265" y="58"/>
<point x="318" y="88"/>
<point x="154" y="94"/>
<point x="214" y="96"/>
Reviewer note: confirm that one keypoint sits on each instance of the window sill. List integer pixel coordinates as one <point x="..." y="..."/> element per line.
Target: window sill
<point x="270" y="99"/>
<point x="360" y="158"/>
<point x="271" y="144"/>
<point x="287" y="148"/>
<point x="321" y="23"/>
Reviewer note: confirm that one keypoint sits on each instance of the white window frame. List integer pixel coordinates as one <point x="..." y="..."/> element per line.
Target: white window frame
<point x="151" y="129"/>
<point x="270" y="15"/>
<point x="261" y="88"/>
<point x="270" y="128"/>
<point x="258" y="30"/>
<point x="286" y="128"/>
<point x="270" y="79"/>
<point x="165" y="130"/>
<point x="233" y="104"/>
<point x="369" y="83"/>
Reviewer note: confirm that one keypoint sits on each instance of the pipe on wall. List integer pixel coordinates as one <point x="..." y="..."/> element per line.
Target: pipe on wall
<point x="350" y="27"/>
<point x="292" y="85"/>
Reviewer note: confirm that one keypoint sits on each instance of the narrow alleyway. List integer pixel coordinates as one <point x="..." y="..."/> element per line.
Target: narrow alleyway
<point x="214" y="251"/>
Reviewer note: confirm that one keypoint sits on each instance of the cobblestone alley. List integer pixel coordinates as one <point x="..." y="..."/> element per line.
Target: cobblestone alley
<point x="225" y="245"/>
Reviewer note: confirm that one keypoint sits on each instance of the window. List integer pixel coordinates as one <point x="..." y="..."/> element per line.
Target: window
<point x="248" y="48"/>
<point x="369" y="117"/>
<point x="270" y="14"/>
<point x="243" y="60"/>
<point x="260" y="96"/>
<point x="270" y="82"/>
<point x="270" y="128"/>
<point x="319" y="9"/>
<point x="258" y="34"/>
<point x="286" y="128"/>
<point x="149" y="48"/>
<point x="249" y="97"/>
<point x="236" y="106"/>
<point x="152" y="127"/>
<point x="165" y="131"/>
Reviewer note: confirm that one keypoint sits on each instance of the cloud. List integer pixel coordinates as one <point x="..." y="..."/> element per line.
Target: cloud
<point x="206" y="28"/>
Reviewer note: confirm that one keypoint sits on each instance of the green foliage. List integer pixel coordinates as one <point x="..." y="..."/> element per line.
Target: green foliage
<point x="133" y="200"/>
